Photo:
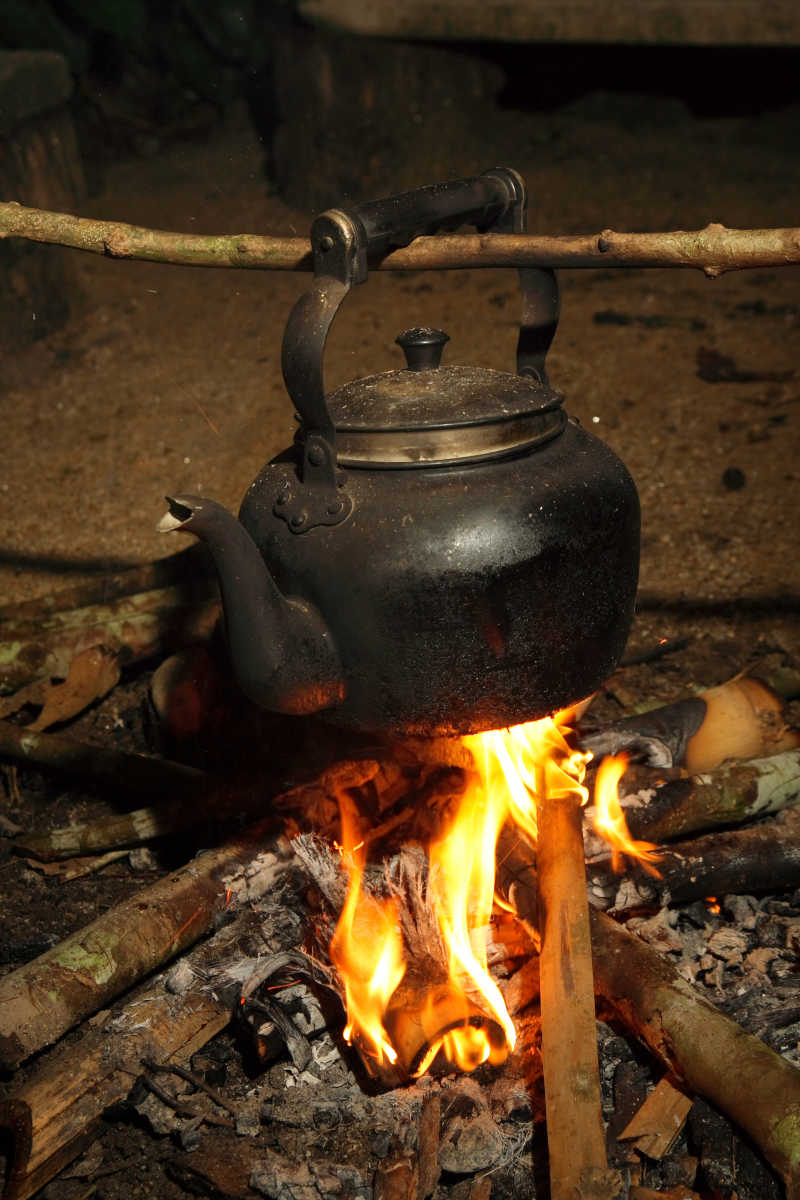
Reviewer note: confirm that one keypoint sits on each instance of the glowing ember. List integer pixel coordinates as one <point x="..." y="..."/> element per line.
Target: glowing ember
<point x="609" y="819"/>
<point x="516" y="770"/>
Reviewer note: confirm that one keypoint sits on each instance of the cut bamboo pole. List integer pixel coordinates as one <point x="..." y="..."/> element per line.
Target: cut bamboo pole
<point x="575" y="1135"/>
<point x="712" y="250"/>
<point x="43" y="999"/>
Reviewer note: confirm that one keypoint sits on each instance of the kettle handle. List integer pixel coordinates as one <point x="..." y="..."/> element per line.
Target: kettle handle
<point x="342" y="242"/>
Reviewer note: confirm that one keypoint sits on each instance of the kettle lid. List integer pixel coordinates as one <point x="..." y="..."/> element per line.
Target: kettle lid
<point x="428" y="415"/>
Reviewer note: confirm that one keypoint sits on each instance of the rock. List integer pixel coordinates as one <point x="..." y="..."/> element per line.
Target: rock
<point x="470" y="1144"/>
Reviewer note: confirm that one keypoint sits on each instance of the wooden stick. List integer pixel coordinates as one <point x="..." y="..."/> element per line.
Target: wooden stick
<point x="762" y="857"/>
<point x="129" y="773"/>
<point x="575" y="1136"/>
<point x="43" y="999"/>
<point x="712" y="250"/>
<point x="136" y="626"/>
<point x="729" y="795"/>
<point x="757" y="1088"/>
<point x="55" y="1114"/>
<point x="187" y="565"/>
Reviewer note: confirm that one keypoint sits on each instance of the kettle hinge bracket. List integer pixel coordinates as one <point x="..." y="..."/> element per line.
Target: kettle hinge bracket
<point x="319" y="499"/>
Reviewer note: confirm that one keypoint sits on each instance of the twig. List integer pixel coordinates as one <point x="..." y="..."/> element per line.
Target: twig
<point x="190" y="1077"/>
<point x="712" y="250"/>
<point x="654" y="653"/>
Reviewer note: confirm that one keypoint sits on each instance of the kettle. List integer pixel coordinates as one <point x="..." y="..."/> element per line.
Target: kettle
<point x="442" y="550"/>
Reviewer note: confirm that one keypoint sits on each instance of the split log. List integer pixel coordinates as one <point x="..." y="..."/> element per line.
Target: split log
<point x="712" y="250"/>
<point x="137" y="627"/>
<point x="43" y="999"/>
<point x="713" y="1055"/>
<point x="730" y="795"/>
<point x="575" y="1135"/>
<point x="54" y="1116"/>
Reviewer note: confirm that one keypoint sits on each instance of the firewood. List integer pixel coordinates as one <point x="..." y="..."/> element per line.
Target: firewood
<point x="713" y="1055"/>
<point x="43" y="999"/>
<point x="52" y="1117"/>
<point x="729" y="795"/>
<point x="135" y="626"/>
<point x="761" y="857"/>
<point x="131" y="773"/>
<point x="743" y="718"/>
<point x="575" y="1136"/>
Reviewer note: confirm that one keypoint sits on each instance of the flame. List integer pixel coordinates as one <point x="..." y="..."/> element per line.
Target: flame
<point x="516" y="770"/>
<point x="367" y="947"/>
<point x="609" y="818"/>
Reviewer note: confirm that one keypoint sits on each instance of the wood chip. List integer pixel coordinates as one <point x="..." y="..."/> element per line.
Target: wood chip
<point x="657" y="1125"/>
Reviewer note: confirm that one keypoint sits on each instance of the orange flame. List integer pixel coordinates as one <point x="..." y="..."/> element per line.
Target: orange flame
<point x="609" y="818"/>
<point x="366" y="948"/>
<point x="516" y="770"/>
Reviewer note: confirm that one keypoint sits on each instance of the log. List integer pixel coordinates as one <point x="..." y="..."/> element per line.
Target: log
<point x="713" y="250"/>
<point x="729" y="795"/>
<point x="713" y="1055"/>
<point x="55" y="1115"/>
<point x="575" y="1135"/>
<point x="129" y="773"/>
<point x="136" y="626"/>
<point x="43" y="999"/>
<point x="760" y="858"/>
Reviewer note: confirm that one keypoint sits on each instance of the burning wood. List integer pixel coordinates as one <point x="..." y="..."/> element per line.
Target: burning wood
<point x="729" y="795"/>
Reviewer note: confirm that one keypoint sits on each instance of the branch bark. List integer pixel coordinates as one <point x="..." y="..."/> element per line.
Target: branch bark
<point x="757" y="1088"/>
<point x="713" y="250"/>
<point x="43" y="999"/>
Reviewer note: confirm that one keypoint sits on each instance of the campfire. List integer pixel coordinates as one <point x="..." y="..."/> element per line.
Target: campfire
<point x="382" y="943"/>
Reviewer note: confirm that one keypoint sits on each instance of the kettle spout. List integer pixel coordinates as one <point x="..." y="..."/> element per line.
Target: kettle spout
<point x="282" y="651"/>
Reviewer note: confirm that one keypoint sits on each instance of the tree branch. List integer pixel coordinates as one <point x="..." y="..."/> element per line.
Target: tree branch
<point x="713" y="250"/>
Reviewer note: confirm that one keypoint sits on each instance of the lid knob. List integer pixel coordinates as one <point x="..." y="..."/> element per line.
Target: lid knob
<point x="422" y="347"/>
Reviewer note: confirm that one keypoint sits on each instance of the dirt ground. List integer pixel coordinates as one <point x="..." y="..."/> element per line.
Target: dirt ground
<point x="169" y="378"/>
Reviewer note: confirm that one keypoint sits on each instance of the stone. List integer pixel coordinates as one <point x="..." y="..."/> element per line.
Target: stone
<point x="470" y="1144"/>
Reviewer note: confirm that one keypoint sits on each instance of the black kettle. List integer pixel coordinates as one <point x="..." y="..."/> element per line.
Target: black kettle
<point x="442" y="550"/>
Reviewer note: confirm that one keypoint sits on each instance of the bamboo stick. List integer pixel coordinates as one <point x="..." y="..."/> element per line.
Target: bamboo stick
<point x="575" y="1135"/>
<point x="712" y="250"/>
<point x="43" y="999"/>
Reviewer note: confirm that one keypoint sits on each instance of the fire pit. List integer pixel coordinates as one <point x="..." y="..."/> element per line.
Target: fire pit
<point x="307" y="1093"/>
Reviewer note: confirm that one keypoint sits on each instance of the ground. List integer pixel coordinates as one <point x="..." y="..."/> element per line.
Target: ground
<point x="168" y="378"/>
